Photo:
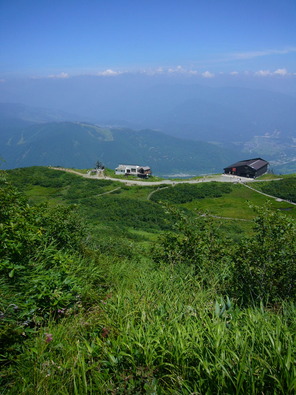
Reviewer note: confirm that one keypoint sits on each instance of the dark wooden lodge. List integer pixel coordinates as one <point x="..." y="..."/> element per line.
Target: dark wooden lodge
<point x="248" y="168"/>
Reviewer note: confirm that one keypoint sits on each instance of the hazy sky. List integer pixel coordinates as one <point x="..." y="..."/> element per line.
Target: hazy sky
<point x="61" y="38"/>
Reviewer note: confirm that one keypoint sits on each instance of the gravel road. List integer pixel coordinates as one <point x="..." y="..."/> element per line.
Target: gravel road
<point x="210" y="178"/>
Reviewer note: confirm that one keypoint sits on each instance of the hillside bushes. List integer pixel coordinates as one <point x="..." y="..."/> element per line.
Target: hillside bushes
<point x="259" y="268"/>
<point x="127" y="212"/>
<point x="196" y="242"/>
<point x="67" y="185"/>
<point x="264" y="265"/>
<point x="284" y="189"/>
<point x="185" y="193"/>
<point x="42" y="251"/>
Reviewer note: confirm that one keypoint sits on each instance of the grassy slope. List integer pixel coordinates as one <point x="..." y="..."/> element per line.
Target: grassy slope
<point x="114" y="210"/>
<point x="109" y="204"/>
<point x="126" y="214"/>
<point x="236" y="203"/>
<point x="155" y="330"/>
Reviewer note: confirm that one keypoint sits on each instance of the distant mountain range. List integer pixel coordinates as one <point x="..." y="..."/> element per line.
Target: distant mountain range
<point x="25" y="141"/>
<point x="32" y="136"/>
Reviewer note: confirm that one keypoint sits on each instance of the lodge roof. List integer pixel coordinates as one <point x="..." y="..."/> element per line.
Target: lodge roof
<point x="255" y="163"/>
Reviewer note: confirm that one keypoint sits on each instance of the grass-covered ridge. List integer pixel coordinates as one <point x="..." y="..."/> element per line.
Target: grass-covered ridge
<point x="106" y="291"/>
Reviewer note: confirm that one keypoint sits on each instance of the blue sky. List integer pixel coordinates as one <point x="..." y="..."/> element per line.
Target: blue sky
<point x="63" y="38"/>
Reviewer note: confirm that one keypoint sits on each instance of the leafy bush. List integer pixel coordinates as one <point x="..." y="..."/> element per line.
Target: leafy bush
<point x="264" y="266"/>
<point x="196" y="242"/>
<point x="40" y="258"/>
<point x="260" y="268"/>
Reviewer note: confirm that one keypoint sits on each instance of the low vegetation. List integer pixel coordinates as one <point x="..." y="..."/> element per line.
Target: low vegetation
<point x="121" y="294"/>
<point x="184" y="193"/>
<point x="284" y="188"/>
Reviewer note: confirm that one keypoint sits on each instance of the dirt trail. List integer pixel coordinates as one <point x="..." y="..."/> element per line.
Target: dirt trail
<point x="270" y="196"/>
<point x="218" y="178"/>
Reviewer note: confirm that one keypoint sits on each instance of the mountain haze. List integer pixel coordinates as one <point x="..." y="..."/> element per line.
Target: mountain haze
<point x="185" y="118"/>
<point x="185" y="107"/>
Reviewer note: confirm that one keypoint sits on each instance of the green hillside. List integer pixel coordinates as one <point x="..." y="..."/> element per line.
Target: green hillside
<point x="117" y="289"/>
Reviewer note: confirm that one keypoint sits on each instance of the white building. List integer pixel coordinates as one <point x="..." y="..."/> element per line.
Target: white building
<point x="135" y="170"/>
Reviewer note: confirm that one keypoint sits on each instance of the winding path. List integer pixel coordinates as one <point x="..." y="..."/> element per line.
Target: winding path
<point x="108" y="192"/>
<point x="128" y="182"/>
<point x="218" y="178"/>
<point x="270" y="196"/>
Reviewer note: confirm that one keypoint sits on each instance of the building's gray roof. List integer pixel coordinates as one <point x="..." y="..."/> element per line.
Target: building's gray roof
<point x="256" y="163"/>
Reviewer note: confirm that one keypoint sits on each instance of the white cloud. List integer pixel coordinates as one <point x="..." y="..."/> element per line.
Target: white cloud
<point x="175" y="71"/>
<point x="194" y="72"/>
<point x="159" y="70"/>
<point x="151" y="71"/>
<point x="61" y="75"/>
<point x="208" y="74"/>
<point x="266" y="73"/>
<point x="263" y="73"/>
<point x="178" y="69"/>
<point x="109" y="73"/>
<point x="281" y="72"/>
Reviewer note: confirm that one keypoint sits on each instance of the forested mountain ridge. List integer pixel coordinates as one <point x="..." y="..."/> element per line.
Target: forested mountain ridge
<point x="77" y="144"/>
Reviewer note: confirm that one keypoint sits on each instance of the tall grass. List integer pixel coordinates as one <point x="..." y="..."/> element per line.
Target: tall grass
<point x="157" y="331"/>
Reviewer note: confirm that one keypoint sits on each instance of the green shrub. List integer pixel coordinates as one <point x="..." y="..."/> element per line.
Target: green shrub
<point x="265" y="264"/>
<point x="40" y="258"/>
<point x="284" y="189"/>
<point x="198" y="243"/>
<point x="259" y="268"/>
